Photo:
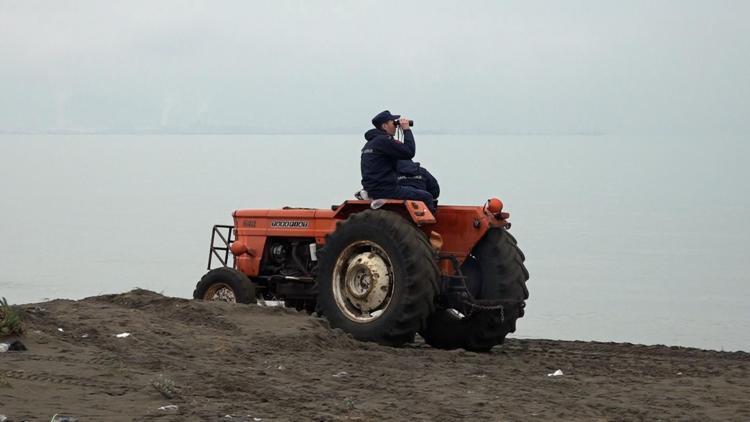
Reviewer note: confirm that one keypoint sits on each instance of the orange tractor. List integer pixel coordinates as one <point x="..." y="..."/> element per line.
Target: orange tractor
<point x="382" y="274"/>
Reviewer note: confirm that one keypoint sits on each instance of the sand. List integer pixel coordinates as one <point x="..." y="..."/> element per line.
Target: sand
<point x="190" y="360"/>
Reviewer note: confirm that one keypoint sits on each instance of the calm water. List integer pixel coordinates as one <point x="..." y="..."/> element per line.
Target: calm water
<point x="628" y="238"/>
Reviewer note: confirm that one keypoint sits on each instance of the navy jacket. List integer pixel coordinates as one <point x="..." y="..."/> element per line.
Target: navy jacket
<point x="411" y="174"/>
<point x="379" y="157"/>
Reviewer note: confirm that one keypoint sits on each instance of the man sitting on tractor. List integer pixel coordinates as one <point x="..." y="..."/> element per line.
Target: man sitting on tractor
<point x="380" y="156"/>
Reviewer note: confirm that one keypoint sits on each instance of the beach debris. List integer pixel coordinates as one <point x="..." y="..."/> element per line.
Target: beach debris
<point x="271" y="303"/>
<point x="340" y="374"/>
<point x="243" y="418"/>
<point x="15" y="346"/>
<point x="60" y="330"/>
<point x="3" y="418"/>
<point x="85" y="336"/>
<point x="556" y="373"/>
<point x="62" y="418"/>
<point x="164" y="385"/>
<point x="169" y="408"/>
<point x="122" y="335"/>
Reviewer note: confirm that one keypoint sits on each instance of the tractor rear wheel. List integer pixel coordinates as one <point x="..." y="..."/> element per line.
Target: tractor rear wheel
<point x="495" y="272"/>
<point x="225" y="285"/>
<point x="377" y="278"/>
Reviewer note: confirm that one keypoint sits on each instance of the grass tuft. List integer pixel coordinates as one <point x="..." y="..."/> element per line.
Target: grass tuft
<point x="10" y="321"/>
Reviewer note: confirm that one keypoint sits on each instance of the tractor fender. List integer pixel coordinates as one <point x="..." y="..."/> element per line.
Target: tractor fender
<point x="415" y="211"/>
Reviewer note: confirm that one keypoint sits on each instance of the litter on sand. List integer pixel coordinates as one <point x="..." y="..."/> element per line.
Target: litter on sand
<point x="555" y="374"/>
<point x="61" y="330"/>
<point x="169" y="407"/>
<point x="232" y="417"/>
<point x="122" y="335"/>
<point x="16" y="346"/>
<point x="340" y="374"/>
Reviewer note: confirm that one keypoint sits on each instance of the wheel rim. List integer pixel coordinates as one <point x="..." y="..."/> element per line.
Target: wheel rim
<point x="220" y="292"/>
<point x="363" y="281"/>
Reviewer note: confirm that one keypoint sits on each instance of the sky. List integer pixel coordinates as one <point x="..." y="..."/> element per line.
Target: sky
<point x="633" y="67"/>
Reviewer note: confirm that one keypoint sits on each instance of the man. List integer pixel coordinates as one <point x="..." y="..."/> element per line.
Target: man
<point x="380" y="156"/>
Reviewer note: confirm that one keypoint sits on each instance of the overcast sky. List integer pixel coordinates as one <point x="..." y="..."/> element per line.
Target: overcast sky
<point x="315" y="66"/>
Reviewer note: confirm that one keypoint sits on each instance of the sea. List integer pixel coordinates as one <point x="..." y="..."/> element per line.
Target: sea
<point x="640" y="239"/>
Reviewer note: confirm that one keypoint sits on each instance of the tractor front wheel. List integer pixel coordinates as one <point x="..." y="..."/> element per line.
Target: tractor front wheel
<point x="225" y="285"/>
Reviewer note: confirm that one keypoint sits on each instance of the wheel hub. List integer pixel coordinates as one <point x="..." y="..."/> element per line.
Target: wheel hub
<point x="220" y="292"/>
<point x="366" y="281"/>
<point x="363" y="281"/>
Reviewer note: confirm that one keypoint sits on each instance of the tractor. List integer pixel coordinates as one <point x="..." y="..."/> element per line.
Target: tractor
<point x="380" y="270"/>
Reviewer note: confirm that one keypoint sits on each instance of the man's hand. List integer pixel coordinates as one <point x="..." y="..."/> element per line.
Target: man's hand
<point x="404" y="122"/>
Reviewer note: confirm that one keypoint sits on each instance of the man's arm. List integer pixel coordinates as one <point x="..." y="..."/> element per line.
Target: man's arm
<point x="398" y="150"/>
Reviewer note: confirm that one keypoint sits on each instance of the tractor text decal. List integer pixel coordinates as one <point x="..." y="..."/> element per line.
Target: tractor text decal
<point x="286" y="224"/>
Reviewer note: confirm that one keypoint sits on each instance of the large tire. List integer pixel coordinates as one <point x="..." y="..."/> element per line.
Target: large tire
<point x="377" y="278"/>
<point x="225" y="285"/>
<point x="498" y="265"/>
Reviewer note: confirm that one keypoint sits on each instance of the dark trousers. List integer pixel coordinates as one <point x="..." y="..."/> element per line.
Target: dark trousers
<point x="408" y="192"/>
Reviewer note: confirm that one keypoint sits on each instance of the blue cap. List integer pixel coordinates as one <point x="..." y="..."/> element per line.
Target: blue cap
<point x="383" y="117"/>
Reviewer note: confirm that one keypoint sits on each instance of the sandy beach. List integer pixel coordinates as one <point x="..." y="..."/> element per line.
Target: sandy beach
<point x="190" y="360"/>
